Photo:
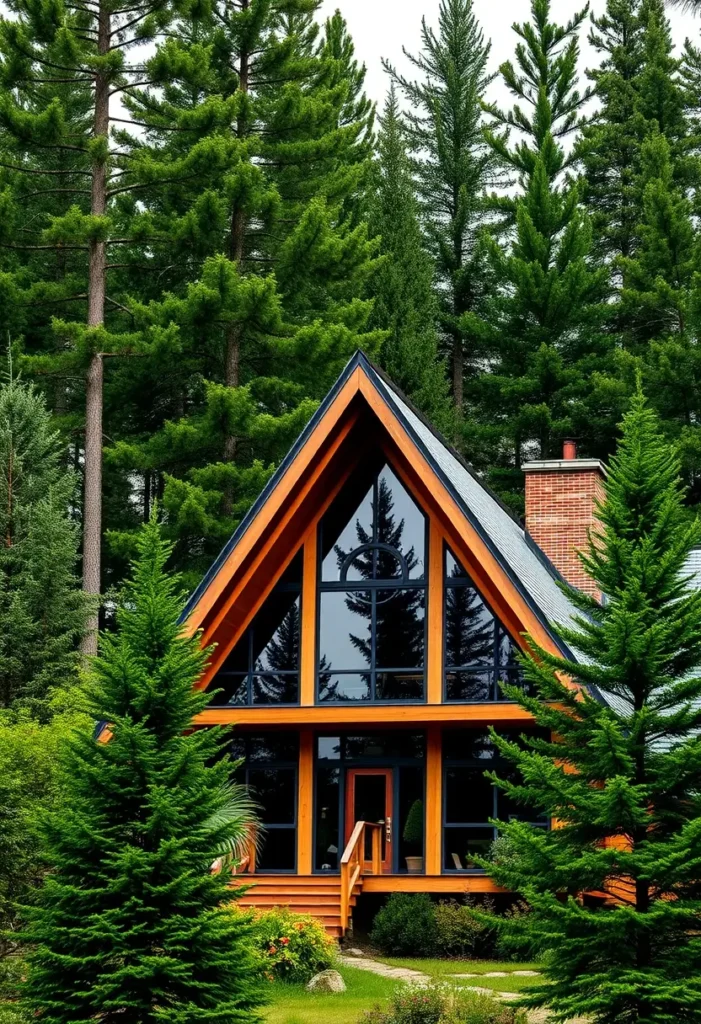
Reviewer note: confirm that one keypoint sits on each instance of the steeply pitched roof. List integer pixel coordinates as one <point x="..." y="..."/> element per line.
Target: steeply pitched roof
<point x="529" y="569"/>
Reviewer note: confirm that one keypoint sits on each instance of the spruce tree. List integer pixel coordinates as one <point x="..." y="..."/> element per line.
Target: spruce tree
<point x="542" y="330"/>
<point x="43" y="613"/>
<point x="132" y="923"/>
<point x="454" y="167"/>
<point x="614" y="888"/>
<point x="405" y="303"/>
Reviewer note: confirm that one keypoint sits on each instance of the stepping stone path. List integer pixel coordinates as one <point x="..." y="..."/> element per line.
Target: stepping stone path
<point x="365" y="963"/>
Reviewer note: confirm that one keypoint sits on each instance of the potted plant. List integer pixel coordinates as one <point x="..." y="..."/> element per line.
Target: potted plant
<point x="413" y="836"/>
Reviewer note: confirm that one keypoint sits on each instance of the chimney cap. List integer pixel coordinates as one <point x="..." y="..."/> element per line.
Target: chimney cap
<point x="570" y="465"/>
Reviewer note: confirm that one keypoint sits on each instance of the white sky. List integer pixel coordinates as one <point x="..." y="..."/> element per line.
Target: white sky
<point x="381" y="27"/>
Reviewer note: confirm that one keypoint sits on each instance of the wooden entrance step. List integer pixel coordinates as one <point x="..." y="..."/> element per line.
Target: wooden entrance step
<point x="316" y="895"/>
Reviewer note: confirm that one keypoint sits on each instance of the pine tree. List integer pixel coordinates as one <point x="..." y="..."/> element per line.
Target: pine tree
<point x="43" y="614"/>
<point x="133" y="924"/>
<point x="542" y="331"/>
<point x="405" y="303"/>
<point x="454" y="167"/>
<point x="269" y="289"/>
<point x="621" y="777"/>
<point x="81" y="46"/>
<point x="610" y="145"/>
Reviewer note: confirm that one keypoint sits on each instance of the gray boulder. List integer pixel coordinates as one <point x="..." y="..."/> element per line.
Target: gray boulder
<point x="326" y="981"/>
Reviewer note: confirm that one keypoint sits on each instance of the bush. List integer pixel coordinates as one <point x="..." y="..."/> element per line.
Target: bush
<point x="406" y="925"/>
<point x="293" y="947"/>
<point x="461" y="930"/>
<point x="442" y="1004"/>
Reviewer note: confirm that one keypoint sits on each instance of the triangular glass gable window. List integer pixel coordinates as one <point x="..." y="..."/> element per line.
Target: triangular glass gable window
<point x="263" y="667"/>
<point x="372" y="592"/>
<point x="478" y="650"/>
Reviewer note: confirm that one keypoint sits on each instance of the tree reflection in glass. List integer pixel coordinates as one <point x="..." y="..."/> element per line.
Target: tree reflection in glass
<point x="375" y="618"/>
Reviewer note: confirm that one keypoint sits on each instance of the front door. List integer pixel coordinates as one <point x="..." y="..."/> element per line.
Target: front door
<point x="369" y="798"/>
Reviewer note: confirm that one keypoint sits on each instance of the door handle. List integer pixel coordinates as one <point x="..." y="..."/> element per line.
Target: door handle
<point x="388" y="829"/>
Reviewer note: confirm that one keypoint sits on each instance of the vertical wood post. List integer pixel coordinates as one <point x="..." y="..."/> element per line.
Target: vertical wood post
<point x="434" y="653"/>
<point x="305" y="803"/>
<point x="308" y="632"/>
<point x="434" y="800"/>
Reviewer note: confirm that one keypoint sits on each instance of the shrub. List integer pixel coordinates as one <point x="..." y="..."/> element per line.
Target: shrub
<point x="406" y="925"/>
<point x="462" y="931"/>
<point x="293" y="947"/>
<point x="442" y="1004"/>
<point x="414" y="825"/>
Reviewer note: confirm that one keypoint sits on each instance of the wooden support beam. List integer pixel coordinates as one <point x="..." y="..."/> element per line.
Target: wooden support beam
<point x="434" y="652"/>
<point x="434" y="800"/>
<point x="305" y="802"/>
<point x="308" y="631"/>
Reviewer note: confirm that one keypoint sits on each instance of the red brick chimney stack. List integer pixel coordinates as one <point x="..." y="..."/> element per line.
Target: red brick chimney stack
<point x="560" y="509"/>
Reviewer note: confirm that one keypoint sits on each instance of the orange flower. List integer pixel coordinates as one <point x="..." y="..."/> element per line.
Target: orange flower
<point x="284" y="941"/>
<point x="272" y="950"/>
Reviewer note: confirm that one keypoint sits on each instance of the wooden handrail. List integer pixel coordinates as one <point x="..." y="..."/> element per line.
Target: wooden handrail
<point x="353" y="863"/>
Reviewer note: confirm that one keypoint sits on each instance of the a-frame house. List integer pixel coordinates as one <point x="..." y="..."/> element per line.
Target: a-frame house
<point x="362" y="616"/>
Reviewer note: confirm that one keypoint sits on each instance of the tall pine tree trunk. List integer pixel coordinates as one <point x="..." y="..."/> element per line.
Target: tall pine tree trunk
<point x="92" y="501"/>
<point x="234" y="332"/>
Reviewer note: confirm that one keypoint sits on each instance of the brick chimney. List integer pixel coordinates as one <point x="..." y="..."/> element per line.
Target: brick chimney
<point x="560" y="500"/>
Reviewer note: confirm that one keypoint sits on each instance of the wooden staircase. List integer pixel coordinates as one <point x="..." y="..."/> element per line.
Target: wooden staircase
<point x="318" y="895"/>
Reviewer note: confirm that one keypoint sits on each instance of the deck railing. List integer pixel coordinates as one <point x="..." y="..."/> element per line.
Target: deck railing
<point x="353" y="863"/>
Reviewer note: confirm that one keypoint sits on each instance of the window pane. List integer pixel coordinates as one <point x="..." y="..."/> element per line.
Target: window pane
<point x="278" y="853"/>
<point x="399" y="686"/>
<point x="347" y="524"/>
<point x="399" y="633"/>
<point x="453" y="568"/>
<point x="468" y="745"/>
<point x="273" y="746"/>
<point x="275" y="689"/>
<point x="233" y="689"/>
<point x="469" y="628"/>
<point x="273" y="789"/>
<point x="276" y="634"/>
<point x="344" y="632"/>
<point x="468" y="686"/>
<point x="462" y="844"/>
<point x="329" y="748"/>
<point x="345" y="686"/>
<point x="327" y="817"/>
<point x="468" y="795"/>
<point x="400" y="523"/>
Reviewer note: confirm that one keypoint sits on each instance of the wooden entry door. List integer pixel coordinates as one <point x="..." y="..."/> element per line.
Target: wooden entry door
<point x="369" y="795"/>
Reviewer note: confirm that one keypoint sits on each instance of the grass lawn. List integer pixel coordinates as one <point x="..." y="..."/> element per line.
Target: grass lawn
<point x="290" y="1004"/>
<point x="445" y="968"/>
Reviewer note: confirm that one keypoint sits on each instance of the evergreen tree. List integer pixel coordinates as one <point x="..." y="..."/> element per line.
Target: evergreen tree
<point x="610" y="144"/>
<point x="43" y="613"/>
<point x="621" y="778"/>
<point x="405" y="304"/>
<point x="542" y="330"/>
<point x="453" y="168"/>
<point x="94" y="47"/>
<point x="268" y="292"/>
<point x="133" y="924"/>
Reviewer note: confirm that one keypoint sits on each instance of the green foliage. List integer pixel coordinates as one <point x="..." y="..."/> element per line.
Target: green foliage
<point x="406" y="925"/>
<point x="403" y="286"/>
<point x="414" y="824"/>
<point x="453" y="167"/>
<point x="622" y="777"/>
<point x="29" y="786"/>
<point x="12" y="971"/>
<point x="541" y="331"/>
<point x="292" y="947"/>
<point x="441" y="1004"/>
<point x="462" y="929"/>
<point x="132" y="918"/>
<point x="42" y="610"/>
